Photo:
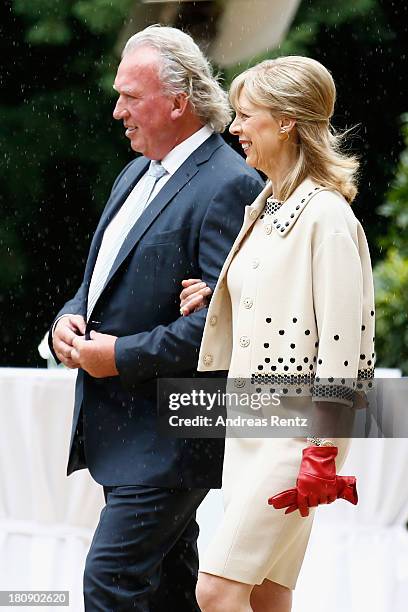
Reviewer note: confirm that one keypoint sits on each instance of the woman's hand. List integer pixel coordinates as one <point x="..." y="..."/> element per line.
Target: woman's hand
<point x="194" y="296"/>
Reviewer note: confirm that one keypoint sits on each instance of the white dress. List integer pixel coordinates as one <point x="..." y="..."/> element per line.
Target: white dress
<point x="254" y="541"/>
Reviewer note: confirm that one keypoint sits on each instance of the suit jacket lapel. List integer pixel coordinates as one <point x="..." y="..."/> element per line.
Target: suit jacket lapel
<point x="180" y="178"/>
<point x="151" y="212"/>
<point x="129" y="183"/>
<point x="110" y="212"/>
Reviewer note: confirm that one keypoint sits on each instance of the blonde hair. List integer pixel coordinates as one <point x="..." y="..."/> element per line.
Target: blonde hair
<point x="303" y="89"/>
<point x="185" y="69"/>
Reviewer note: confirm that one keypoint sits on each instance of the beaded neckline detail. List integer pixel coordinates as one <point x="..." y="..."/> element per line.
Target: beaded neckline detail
<point x="271" y="206"/>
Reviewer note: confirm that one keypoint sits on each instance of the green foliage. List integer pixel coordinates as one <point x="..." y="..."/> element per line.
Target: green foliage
<point x="60" y="152"/>
<point x="38" y="10"/>
<point x="391" y="288"/>
<point x="50" y="18"/>
<point x="102" y="15"/>
<point x="50" y="31"/>
<point x="334" y="13"/>
<point x="391" y="275"/>
<point x="396" y="205"/>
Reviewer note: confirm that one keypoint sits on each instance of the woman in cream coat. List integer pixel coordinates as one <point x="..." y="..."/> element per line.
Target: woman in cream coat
<point x="293" y="309"/>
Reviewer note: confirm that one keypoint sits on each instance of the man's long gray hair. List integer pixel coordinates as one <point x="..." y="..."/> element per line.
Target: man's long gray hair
<point x="184" y="69"/>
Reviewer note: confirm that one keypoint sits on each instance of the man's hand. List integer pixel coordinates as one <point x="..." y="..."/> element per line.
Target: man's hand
<point x="97" y="355"/>
<point x="67" y="328"/>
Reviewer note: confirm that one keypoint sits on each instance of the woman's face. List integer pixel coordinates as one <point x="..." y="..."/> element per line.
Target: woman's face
<point x="258" y="133"/>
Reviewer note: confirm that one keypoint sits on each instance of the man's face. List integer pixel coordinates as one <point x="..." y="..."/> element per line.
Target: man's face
<point x="142" y="106"/>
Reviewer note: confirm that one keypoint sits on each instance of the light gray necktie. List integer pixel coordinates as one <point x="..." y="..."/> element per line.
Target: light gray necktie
<point x="117" y="231"/>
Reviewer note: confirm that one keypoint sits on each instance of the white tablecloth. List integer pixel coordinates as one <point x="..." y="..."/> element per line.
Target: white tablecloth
<point x="46" y="519"/>
<point x="357" y="559"/>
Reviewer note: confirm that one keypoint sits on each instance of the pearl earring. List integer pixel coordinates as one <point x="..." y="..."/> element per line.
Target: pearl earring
<point x="283" y="131"/>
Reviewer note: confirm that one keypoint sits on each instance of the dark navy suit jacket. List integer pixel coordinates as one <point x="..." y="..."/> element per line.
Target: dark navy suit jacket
<point x="186" y="231"/>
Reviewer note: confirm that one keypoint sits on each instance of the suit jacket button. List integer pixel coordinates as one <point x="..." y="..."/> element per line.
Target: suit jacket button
<point x="208" y="359"/>
<point x="239" y="382"/>
<point x="255" y="263"/>
<point x="268" y="228"/>
<point x="244" y="341"/>
<point x="248" y="302"/>
<point x="253" y="214"/>
<point x="213" y="320"/>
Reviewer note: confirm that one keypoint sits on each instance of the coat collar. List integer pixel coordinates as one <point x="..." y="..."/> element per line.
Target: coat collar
<point x="286" y="216"/>
<point x="253" y="211"/>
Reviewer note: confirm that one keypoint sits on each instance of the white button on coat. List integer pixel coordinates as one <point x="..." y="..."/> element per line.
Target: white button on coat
<point x="208" y="359"/>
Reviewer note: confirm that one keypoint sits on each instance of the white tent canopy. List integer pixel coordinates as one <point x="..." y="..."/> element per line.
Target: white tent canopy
<point x="239" y="29"/>
<point x="248" y="28"/>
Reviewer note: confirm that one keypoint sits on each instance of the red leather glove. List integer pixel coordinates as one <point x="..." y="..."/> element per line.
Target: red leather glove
<point x="317" y="483"/>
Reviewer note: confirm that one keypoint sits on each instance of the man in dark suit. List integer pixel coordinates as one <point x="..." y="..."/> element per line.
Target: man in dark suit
<point x="173" y="213"/>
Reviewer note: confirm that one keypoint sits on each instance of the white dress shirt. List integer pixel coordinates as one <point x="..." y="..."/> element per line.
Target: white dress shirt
<point x="177" y="156"/>
<point x="172" y="162"/>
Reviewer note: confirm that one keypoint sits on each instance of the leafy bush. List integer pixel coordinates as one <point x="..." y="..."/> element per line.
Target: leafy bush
<point x="391" y="275"/>
<point x="391" y="285"/>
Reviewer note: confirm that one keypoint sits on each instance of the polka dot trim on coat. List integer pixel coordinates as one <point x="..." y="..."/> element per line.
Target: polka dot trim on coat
<point x="333" y="391"/>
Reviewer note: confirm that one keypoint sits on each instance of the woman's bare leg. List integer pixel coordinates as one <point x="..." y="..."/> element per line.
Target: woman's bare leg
<point x="271" y="597"/>
<point x="216" y="594"/>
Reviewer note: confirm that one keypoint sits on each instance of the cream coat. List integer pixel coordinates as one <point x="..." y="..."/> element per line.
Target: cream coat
<point x="306" y="315"/>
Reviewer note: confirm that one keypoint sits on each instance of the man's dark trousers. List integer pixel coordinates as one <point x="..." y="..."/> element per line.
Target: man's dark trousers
<point x="133" y="564"/>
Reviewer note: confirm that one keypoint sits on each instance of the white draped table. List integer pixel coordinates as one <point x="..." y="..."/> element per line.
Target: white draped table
<point x="46" y="519"/>
<point x="357" y="559"/>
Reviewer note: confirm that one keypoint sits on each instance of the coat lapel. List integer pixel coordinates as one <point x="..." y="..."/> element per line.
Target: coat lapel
<point x="253" y="211"/>
<point x="251" y="214"/>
